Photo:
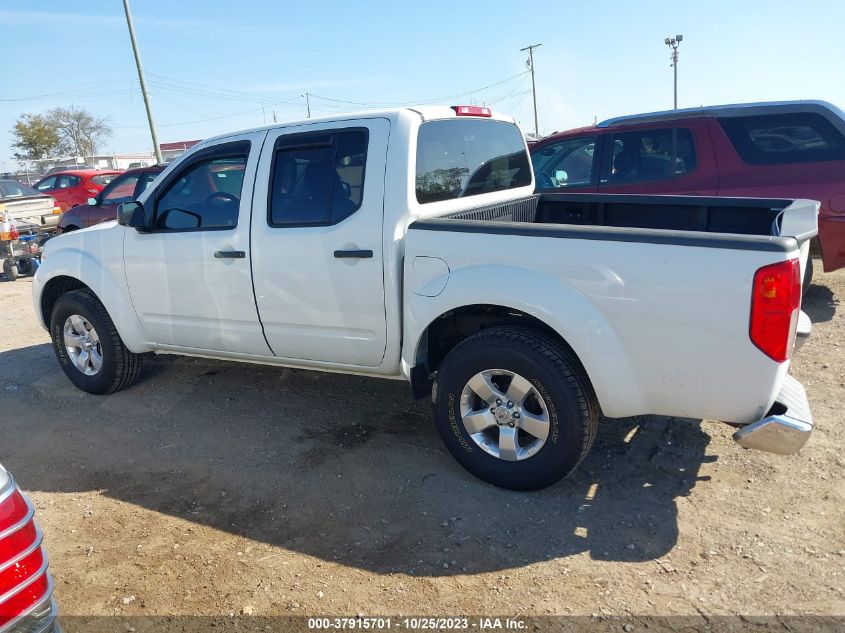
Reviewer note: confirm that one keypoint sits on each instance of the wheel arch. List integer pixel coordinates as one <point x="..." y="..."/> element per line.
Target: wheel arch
<point x="609" y="374"/>
<point x="71" y="269"/>
<point x="449" y="329"/>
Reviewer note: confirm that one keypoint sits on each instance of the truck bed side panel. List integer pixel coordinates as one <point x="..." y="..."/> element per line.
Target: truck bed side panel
<point x="661" y="327"/>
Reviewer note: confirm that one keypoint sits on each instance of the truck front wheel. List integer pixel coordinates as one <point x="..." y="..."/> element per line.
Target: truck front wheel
<point x="515" y="408"/>
<point x="88" y="347"/>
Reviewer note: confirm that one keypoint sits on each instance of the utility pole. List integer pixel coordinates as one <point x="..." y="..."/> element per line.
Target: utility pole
<point x="307" y="104"/>
<point x="156" y="147"/>
<point x="530" y="64"/>
<point x="673" y="43"/>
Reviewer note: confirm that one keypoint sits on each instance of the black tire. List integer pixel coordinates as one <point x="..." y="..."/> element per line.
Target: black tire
<point x="808" y="276"/>
<point x="10" y="270"/>
<point x="120" y="367"/>
<point x="553" y="371"/>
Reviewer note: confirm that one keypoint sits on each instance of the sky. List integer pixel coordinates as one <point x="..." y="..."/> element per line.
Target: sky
<point x="217" y="66"/>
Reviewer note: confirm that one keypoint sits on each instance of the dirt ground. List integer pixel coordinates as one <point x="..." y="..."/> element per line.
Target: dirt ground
<point x="214" y="488"/>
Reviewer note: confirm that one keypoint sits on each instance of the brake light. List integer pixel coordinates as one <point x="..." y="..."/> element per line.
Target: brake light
<point x="24" y="582"/>
<point x="472" y="111"/>
<point x="775" y="302"/>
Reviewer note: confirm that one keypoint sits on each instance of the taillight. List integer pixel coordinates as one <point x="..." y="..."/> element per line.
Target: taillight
<point x="56" y="208"/>
<point x="24" y="582"/>
<point x="775" y="302"/>
<point x="472" y="111"/>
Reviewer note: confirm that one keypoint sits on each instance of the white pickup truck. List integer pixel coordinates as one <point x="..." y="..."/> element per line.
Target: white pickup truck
<point x="409" y="244"/>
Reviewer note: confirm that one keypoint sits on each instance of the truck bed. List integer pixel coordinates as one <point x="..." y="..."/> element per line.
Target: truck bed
<point x="651" y="292"/>
<point x="680" y="220"/>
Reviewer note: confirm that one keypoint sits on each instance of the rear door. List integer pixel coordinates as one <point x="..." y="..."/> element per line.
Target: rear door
<point x="673" y="157"/>
<point x="317" y="242"/>
<point x="189" y="276"/>
<point x="68" y="192"/>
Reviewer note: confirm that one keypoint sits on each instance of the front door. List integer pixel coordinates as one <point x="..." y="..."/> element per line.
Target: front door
<point x="189" y="276"/>
<point x="317" y="242"/>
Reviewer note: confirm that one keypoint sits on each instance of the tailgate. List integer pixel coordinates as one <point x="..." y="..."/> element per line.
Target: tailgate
<point x="800" y="221"/>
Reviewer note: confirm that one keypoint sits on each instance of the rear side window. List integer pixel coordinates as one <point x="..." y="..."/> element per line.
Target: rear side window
<point x="318" y="178"/>
<point x="103" y="179"/>
<point x="776" y="139"/>
<point x="459" y="157"/>
<point x="66" y="181"/>
<point x="652" y="155"/>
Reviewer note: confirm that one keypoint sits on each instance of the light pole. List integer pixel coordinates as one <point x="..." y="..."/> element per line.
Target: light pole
<point x="530" y="50"/>
<point x="673" y="43"/>
<point x="156" y="147"/>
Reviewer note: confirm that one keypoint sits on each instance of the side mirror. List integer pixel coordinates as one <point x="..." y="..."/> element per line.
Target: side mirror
<point x="132" y="214"/>
<point x="92" y="202"/>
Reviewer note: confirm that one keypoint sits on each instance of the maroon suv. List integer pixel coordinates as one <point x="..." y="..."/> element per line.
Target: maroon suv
<point x="128" y="186"/>
<point x="770" y="150"/>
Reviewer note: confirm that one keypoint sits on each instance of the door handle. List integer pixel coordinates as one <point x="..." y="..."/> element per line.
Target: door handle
<point x="229" y="254"/>
<point x="353" y="254"/>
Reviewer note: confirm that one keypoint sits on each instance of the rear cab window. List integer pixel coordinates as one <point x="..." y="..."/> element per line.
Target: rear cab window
<point x="458" y="158"/>
<point x="777" y="139"/>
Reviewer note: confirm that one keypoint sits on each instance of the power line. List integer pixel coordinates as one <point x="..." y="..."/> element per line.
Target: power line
<point x="421" y="101"/>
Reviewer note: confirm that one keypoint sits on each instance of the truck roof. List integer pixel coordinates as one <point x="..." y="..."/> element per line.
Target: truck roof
<point x="426" y="113"/>
<point x="728" y="110"/>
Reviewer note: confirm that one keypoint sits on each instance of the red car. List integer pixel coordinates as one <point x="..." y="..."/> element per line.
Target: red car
<point x="73" y="187"/>
<point x="103" y="206"/>
<point x="26" y="588"/>
<point x="771" y="150"/>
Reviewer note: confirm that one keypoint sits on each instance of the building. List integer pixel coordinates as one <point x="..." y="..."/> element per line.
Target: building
<point x="170" y="151"/>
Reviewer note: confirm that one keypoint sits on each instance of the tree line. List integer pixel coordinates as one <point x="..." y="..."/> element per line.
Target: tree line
<point x="58" y="132"/>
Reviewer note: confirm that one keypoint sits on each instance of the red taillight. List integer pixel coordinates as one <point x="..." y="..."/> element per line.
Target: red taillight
<point x="24" y="600"/>
<point x="472" y="111"/>
<point x="775" y="302"/>
<point x="24" y="582"/>
<point x="13" y="510"/>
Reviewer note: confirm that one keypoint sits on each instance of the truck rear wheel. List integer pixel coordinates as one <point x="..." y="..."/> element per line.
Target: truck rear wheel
<point x="515" y="408"/>
<point x="88" y="347"/>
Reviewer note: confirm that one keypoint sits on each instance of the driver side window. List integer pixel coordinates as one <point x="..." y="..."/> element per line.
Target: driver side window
<point x="567" y="163"/>
<point x="205" y="196"/>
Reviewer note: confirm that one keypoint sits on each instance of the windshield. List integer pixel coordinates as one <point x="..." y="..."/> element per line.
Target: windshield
<point x="14" y="189"/>
<point x="457" y="158"/>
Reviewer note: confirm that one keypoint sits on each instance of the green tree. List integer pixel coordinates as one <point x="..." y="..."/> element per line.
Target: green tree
<point x="79" y="131"/>
<point x="35" y="137"/>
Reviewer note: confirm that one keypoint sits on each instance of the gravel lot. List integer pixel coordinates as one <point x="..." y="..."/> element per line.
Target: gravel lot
<point x="214" y="488"/>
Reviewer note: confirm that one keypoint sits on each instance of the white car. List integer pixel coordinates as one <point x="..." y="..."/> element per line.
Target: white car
<point x="409" y="244"/>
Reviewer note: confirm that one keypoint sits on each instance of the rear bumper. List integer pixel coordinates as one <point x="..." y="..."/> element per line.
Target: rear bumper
<point x="787" y="427"/>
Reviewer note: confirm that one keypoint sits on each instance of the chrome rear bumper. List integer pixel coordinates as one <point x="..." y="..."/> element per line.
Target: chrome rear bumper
<point x="787" y="427"/>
